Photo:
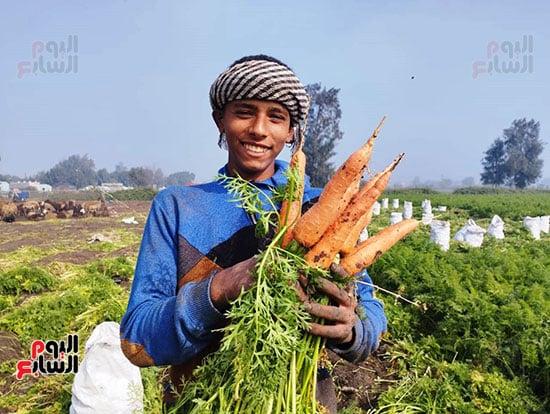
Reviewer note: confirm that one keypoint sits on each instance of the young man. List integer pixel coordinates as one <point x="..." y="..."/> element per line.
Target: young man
<point x="197" y="249"/>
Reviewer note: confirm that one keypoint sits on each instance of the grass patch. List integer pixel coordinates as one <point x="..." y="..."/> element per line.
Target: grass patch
<point x="25" y="280"/>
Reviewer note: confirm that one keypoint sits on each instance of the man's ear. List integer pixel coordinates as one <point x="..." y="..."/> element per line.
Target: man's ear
<point x="290" y="137"/>
<point x="217" y="115"/>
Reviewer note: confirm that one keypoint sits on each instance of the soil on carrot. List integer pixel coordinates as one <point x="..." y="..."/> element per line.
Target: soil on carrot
<point x="68" y="241"/>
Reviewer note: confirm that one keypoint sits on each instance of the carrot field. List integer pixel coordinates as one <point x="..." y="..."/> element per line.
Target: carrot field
<point x="469" y="328"/>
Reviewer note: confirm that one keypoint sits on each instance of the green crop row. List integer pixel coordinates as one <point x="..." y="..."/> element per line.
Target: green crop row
<point x="479" y="339"/>
<point x="37" y="304"/>
<point x="509" y="205"/>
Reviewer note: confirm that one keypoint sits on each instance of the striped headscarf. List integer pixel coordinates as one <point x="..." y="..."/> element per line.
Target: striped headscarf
<point x="261" y="77"/>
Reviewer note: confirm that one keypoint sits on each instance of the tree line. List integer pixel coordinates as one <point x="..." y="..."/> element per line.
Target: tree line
<point x="512" y="160"/>
<point x="79" y="171"/>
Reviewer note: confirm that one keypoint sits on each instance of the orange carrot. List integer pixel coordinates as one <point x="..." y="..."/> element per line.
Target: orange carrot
<point x="363" y="221"/>
<point x="351" y="239"/>
<point x="368" y="251"/>
<point x="291" y="209"/>
<point x="317" y="219"/>
<point x="322" y="254"/>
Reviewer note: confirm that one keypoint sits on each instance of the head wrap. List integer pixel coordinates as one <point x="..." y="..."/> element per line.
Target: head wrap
<point x="264" y="78"/>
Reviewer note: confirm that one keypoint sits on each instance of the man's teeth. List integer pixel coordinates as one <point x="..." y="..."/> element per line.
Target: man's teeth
<point x="255" y="148"/>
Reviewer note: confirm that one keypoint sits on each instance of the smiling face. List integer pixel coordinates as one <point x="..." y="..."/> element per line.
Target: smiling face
<point x="256" y="132"/>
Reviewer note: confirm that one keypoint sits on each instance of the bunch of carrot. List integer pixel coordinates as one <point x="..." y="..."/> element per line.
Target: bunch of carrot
<point x="268" y="334"/>
<point x="331" y="228"/>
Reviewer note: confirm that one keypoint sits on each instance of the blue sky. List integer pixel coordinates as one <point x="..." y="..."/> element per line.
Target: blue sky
<point x="139" y="95"/>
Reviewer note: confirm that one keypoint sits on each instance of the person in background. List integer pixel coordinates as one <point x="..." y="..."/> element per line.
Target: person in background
<point x="198" y="248"/>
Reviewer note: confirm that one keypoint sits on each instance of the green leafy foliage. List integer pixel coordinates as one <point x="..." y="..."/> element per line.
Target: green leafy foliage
<point x="429" y="385"/>
<point x="255" y="202"/>
<point x="264" y="343"/>
<point x="143" y="193"/>
<point x="153" y="379"/>
<point x="266" y="361"/>
<point x="508" y="204"/>
<point x="119" y="267"/>
<point x="80" y="303"/>
<point x="45" y="317"/>
<point x="25" y="280"/>
<point x="483" y="335"/>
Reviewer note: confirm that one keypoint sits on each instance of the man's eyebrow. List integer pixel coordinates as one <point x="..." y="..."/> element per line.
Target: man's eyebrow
<point x="245" y="105"/>
<point x="248" y="105"/>
<point x="276" y="109"/>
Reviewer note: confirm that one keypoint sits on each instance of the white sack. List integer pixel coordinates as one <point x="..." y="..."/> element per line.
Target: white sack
<point x="407" y="209"/>
<point x="106" y="382"/>
<point x="396" y="217"/>
<point x="427" y="218"/>
<point x="496" y="227"/>
<point x="384" y="203"/>
<point x="440" y="233"/>
<point x="471" y="234"/>
<point x="129" y="220"/>
<point x="364" y="235"/>
<point x="533" y="225"/>
<point x="395" y="203"/>
<point x="376" y="208"/>
<point x="427" y="206"/>
<point x="545" y="224"/>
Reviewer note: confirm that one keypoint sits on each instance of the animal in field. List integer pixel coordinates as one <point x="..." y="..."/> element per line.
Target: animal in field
<point x="91" y="208"/>
<point x="28" y="208"/>
<point x="8" y="211"/>
<point x="61" y="208"/>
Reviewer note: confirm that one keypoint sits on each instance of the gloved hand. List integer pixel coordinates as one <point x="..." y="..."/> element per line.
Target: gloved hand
<point x="339" y="315"/>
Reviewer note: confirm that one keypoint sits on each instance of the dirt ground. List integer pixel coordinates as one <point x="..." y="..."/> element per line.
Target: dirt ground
<point x="38" y="234"/>
<point x="359" y="383"/>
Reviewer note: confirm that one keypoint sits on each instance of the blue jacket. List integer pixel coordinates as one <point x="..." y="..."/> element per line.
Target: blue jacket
<point x="192" y="232"/>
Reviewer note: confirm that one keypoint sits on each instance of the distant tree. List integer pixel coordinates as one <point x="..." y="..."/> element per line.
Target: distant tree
<point x="120" y="174"/>
<point x="103" y="176"/>
<point x="515" y="159"/>
<point x="524" y="149"/>
<point x="180" y="178"/>
<point x="158" y="177"/>
<point x="141" y="177"/>
<point x="494" y="164"/>
<point x="8" y="178"/>
<point x="323" y="130"/>
<point x="76" y="170"/>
